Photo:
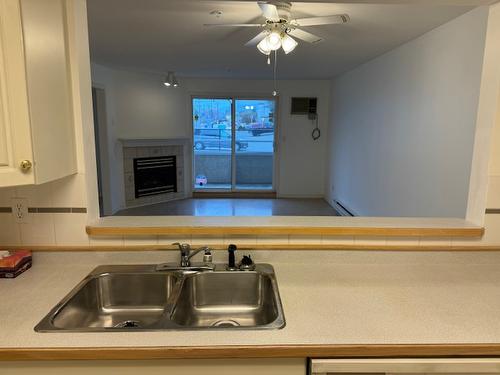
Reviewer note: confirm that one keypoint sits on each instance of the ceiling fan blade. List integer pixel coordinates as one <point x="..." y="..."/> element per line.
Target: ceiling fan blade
<point x="233" y="25"/>
<point x="269" y="11"/>
<point x="327" y="20"/>
<point x="305" y="36"/>
<point x="255" y="40"/>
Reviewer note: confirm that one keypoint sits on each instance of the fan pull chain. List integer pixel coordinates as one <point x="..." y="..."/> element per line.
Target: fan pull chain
<point x="275" y="92"/>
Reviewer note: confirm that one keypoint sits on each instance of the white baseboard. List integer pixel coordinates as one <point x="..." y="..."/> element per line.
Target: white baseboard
<point x="300" y="196"/>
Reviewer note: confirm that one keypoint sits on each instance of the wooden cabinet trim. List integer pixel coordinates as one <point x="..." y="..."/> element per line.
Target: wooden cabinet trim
<point x="251" y="351"/>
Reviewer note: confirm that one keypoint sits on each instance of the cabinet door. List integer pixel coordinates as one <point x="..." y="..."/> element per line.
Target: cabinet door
<point x="269" y="366"/>
<point x="49" y="88"/>
<point x="15" y="135"/>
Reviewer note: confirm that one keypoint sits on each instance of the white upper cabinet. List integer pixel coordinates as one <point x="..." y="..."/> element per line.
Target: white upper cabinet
<point x="37" y="141"/>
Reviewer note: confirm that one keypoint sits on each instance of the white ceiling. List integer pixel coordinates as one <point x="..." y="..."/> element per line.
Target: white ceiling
<point x="162" y="35"/>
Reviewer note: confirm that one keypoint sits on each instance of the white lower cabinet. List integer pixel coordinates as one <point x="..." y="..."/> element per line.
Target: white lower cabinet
<point x="406" y="366"/>
<point x="159" y="367"/>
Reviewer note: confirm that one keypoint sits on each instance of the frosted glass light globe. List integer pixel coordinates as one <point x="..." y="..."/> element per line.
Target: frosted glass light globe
<point x="264" y="47"/>
<point x="288" y="44"/>
<point x="274" y="40"/>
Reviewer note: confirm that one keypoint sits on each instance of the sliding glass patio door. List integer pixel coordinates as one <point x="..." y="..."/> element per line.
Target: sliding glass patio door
<point x="212" y="143"/>
<point x="233" y="144"/>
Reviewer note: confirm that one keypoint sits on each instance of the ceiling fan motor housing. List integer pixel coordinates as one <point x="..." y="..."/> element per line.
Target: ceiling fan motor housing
<point x="284" y="9"/>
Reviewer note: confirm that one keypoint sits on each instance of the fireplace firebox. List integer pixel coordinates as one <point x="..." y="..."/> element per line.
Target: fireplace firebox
<point x="155" y="175"/>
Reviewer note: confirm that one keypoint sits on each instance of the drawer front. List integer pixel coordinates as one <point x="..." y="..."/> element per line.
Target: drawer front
<point x="406" y="366"/>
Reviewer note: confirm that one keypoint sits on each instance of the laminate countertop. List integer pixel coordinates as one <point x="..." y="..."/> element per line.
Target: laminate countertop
<point x="335" y="303"/>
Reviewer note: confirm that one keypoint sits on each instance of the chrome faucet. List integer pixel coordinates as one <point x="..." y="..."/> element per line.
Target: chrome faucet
<point x="187" y="253"/>
<point x="185" y="263"/>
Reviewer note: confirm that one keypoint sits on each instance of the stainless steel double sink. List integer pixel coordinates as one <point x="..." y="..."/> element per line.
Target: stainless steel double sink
<point x="140" y="298"/>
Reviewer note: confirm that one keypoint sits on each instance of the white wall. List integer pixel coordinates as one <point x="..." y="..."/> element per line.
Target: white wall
<point x="486" y="117"/>
<point x="144" y="108"/>
<point x="112" y="162"/>
<point x="494" y="164"/>
<point x="402" y="125"/>
<point x="493" y="197"/>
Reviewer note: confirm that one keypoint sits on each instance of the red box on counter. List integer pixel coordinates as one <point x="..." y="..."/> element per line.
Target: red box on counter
<point x="15" y="263"/>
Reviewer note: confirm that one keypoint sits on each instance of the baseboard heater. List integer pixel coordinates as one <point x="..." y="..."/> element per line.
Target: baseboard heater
<point x="342" y="210"/>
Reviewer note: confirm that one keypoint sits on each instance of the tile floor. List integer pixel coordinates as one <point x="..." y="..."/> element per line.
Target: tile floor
<point x="235" y="207"/>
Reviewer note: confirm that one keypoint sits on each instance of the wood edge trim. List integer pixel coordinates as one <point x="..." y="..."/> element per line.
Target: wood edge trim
<point x="250" y="351"/>
<point x="279" y="230"/>
<point x="267" y="247"/>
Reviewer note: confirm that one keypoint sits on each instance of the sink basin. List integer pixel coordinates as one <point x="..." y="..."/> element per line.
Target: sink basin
<point x="227" y="299"/>
<point x="141" y="298"/>
<point x="117" y="300"/>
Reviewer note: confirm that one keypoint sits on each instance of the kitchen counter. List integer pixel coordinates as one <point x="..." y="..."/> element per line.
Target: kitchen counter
<point x="335" y="304"/>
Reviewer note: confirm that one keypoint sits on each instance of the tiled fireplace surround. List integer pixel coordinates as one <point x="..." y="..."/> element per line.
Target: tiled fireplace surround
<point x="152" y="148"/>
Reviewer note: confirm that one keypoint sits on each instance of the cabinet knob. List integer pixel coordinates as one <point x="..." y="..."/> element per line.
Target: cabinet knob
<point x="26" y="165"/>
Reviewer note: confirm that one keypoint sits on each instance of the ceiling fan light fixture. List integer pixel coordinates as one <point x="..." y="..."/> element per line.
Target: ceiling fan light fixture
<point x="274" y="40"/>
<point x="288" y="44"/>
<point x="264" y="47"/>
<point x="279" y="23"/>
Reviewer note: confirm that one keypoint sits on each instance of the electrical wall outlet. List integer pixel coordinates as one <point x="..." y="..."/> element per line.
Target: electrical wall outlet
<point x="20" y="210"/>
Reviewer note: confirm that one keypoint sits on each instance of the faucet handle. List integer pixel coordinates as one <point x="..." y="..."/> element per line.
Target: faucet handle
<point x="207" y="256"/>
<point x="207" y="250"/>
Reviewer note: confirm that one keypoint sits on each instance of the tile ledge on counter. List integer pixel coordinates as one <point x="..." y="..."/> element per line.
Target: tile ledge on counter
<point x="299" y="225"/>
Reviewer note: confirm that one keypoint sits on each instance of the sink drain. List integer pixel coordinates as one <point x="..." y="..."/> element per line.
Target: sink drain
<point x="128" y="324"/>
<point x="226" y="323"/>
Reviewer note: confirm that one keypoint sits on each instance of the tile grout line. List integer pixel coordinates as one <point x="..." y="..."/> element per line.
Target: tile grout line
<point x="49" y="210"/>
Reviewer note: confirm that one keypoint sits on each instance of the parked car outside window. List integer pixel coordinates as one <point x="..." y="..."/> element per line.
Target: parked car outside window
<point x="219" y="139"/>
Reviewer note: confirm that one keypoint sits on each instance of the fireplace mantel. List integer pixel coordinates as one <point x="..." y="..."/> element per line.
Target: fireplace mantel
<point x="145" y="142"/>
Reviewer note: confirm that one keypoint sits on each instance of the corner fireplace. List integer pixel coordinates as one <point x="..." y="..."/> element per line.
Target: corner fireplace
<point x="155" y="175"/>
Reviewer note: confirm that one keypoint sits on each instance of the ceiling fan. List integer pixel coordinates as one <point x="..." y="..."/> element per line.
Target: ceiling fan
<point x="279" y="27"/>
